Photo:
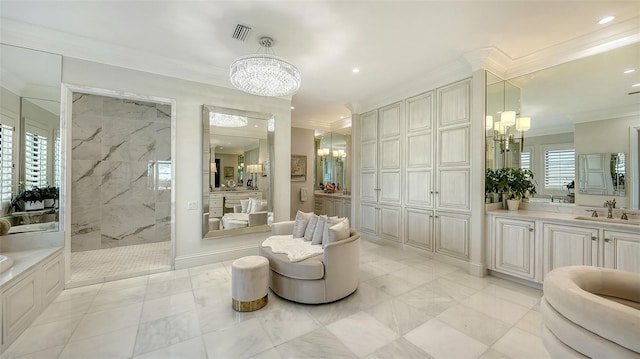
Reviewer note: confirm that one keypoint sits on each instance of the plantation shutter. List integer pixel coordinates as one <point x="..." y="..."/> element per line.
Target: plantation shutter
<point x="6" y="165"/>
<point x="525" y="160"/>
<point x="559" y="167"/>
<point x="36" y="160"/>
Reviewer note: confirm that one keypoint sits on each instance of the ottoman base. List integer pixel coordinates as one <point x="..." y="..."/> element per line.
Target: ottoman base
<point x="249" y="306"/>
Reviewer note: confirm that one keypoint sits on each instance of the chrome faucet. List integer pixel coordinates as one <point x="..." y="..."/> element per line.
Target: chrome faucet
<point x="594" y="213"/>
<point x="624" y="215"/>
<point x="610" y="205"/>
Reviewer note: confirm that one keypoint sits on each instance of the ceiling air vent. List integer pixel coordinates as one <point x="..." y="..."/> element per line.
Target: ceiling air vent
<point x="241" y="32"/>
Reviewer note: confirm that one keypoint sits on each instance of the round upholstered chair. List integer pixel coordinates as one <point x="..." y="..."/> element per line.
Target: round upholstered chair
<point x="591" y="312"/>
<point x="249" y="283"/>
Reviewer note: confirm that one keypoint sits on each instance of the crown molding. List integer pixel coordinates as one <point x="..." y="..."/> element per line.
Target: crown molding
<point x="609" y="38"/>
<point x="437" y="77"/>
<point x="38" y="38"/>
<point x="491" y="59"/>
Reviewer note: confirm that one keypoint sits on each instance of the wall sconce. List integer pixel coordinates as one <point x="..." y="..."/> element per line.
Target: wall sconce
<point x="214" y="168"/>
<point x="502" y="134"/>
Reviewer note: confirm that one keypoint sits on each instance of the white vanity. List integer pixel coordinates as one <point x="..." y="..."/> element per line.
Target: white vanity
<point x="528" y="244"/>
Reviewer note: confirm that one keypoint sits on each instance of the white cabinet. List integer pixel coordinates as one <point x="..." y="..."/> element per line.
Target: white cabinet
<point x="419" y="228"/>
<point x="514" y="250"/>
<point x="622" y="251"/>
<point x="452" y="234"/>
<point x="332" y="206"/>
<point x="216" y="201"/>
<point x="20" y="305"/>
<point x="381" y="172"/>
<point x="569" y="246"/>
<point x="26" y="297"/>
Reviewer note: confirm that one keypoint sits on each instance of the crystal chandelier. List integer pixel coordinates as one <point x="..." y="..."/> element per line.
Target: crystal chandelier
<point x="225" y="120"/>
<point x="265" y="74"/>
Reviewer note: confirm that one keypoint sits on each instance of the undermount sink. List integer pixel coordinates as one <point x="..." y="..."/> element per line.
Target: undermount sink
<point x="634" y="222"/>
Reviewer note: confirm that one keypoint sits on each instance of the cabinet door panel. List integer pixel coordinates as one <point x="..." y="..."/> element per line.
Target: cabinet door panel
<point x="419" y="188"/>
<point x="420" y="112"/>
<point x="390" y="154"/>
<point x="454" y="104"/>
<point x="514" y="247"/>
<point x="453" y="189"/>
<point x="390" y="187"/>
<point x="369" y="126"/>
<point x="622" y="251"/>
<point x="329" y="207"/>
<point x="369" y="218"/>
<point x="419" y="226"/>
<point x="391" y="223"/>
<point x="419" y="150"/>
<point x="52" y="279"/>
<point x="368" y="156"/>
<point x="453" y="147"/>
<point x="368" y="187"/>
<point x="452" y="234"/>
<point x="390" y="120"/>
<point x="568" y="246"/>
<point x="20" y="307"/>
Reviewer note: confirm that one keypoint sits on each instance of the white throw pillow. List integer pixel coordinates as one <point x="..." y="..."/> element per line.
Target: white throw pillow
<point x="337" y="232"/>
<point x="249" y="205"/>
<point x="245" y="205"/>
<point x="330" y="222"/>
<point x="258" y="205"/>
<point x="311" y="227"/>
<point x="319" y="230"/>
<point x="300" y="225"/>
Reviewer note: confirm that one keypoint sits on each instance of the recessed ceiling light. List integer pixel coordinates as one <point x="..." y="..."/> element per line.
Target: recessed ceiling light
<point x="636" y="85"/>
<point x="255" y="125"/>
<point x="355" y="70"/>
<point x="293" y="108"/>
<point x="630" y="71"/>
<point x="606" y="19"/>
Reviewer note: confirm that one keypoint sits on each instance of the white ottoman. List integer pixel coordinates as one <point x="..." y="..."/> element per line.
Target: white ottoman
<point x="249" y="283"/>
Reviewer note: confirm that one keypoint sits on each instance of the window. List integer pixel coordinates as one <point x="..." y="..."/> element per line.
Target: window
<point x="6" y="165"/>
<point x="559" y="167"/>
<point x="35" y="161"/>
<point x="525" y="159"/>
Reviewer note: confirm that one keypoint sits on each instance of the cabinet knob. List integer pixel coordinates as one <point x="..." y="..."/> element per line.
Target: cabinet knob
<point x="594" y="238"/>
<point x="607" y="240"/>
<point x="530" y="229"/>
<point x="437" y="216"/>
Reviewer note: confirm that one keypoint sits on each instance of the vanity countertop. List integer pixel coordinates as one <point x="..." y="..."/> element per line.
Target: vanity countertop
<point x="335" y="194"/>
<point x="571" y="219"/>
<point x="24" y="260"/>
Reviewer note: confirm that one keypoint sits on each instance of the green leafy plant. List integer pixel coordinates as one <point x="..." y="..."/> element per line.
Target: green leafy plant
<point x="50" y="192"/>
<point x="491" y="181"/>
<point x="23" y="196"/>
<point x="516" y="183"/>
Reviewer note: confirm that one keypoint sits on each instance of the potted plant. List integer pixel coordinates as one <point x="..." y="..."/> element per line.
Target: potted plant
<point x="516" y="183"/>
<point x="491" y="190"/>
<point x="29" y="200"/>
<point x="51" y="195"/>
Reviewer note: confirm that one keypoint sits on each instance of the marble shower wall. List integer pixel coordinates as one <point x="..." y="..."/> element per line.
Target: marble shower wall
<point x="121" y="172"/>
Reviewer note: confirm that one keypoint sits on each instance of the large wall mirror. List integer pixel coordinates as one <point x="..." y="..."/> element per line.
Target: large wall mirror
<point x="333" y="155"/>
<point x="29" y="138"/>
<point x="237" y="189"/>
<point x="576" y="114"/>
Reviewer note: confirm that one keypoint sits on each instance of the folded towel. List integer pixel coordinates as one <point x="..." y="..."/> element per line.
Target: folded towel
<point x="303" y="194"/>
<point x="296" y="249"/>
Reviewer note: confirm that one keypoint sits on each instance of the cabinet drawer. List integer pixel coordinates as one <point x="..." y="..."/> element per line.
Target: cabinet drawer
<point x="215" y="212"/>
<point x="215" y="203"/>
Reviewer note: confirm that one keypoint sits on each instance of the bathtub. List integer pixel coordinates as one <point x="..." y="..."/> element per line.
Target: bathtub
<point x="5" y="263"/>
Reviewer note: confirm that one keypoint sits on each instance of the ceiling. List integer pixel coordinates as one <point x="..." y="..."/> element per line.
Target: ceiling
<point x="391" y="42"/>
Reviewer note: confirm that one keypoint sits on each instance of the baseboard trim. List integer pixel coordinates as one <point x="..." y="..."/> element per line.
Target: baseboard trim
<point x="199" y="259"/>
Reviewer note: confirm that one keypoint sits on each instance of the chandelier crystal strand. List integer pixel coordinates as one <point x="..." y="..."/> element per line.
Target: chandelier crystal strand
<point x="265" y="74"/>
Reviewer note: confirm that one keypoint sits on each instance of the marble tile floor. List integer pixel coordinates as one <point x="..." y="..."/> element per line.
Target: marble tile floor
<point x="103" y="265"/>
<point x="407" y="306"/>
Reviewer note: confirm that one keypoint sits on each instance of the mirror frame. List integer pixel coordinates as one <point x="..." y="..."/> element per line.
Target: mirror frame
<point x="206" y="172"/>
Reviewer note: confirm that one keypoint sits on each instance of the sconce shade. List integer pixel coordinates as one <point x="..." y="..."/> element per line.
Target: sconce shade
<point x="341" y="153"/>
<point x="508" y="118"/>
<point x="326" y="151"/>
<point x="214" y="168"/>
<point x="335" y="153"/>
<point x="523" y="123"/>
<point x="320" y="152"/>
<point x="498" y="127"/>
<point x="488" y="123"/>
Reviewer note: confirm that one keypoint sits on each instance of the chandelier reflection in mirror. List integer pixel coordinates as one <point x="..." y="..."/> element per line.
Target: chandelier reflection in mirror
<point x="226" y="120"/>
<point x="502" y="133"/>
<point x="265" y="74"/>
